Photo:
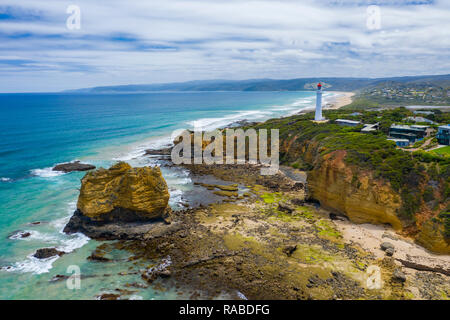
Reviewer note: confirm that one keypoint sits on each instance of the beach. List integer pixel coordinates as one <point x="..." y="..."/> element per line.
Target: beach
<point x="341" y="100"/>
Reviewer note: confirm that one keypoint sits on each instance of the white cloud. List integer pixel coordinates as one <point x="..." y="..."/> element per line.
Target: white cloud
<point x="177" y="40"/>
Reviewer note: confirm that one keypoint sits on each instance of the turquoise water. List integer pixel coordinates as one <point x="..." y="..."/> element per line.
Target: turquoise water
<point x="41" y="130"/>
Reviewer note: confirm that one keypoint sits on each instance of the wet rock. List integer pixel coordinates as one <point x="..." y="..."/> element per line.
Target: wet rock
<point x="289" y="250"/>
<point x="59" y="277"/>
<point x="159" y="152"/>
<point x="98" y="257"/>
<point x="164" y="273"/>
<point x="387" y="245"/>
<point x="398" y="275"/>
<point x="390" y="252"/>
<point x="73" y="166"/>
<point x="47" y="253"/>
<point x="283" y="206"/>
<point x="226" y="193"/>
<point x="109" y="296"/>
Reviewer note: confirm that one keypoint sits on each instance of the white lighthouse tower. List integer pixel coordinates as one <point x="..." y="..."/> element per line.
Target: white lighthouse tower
<point x="318" y="116"/>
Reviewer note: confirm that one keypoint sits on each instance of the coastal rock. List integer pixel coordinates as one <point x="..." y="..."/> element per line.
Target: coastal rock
<point x="47" y="253"/>
<point x="289" y="250"/>
<point x="158" y="152"/>
<point x="398" y="275"/>
<point x="386" y="245"/>
<point x="390" y="252"/>
<point x="122" y="203"/>
<point x="123" y="193"/>
<point x="432" y="236"/>
<point x="367" y="201"/>
<point x="283" y="206"/>
<point x="73" y="166"/>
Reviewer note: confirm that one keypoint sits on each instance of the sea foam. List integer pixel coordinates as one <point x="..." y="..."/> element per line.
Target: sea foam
<point x="46" y="173"/>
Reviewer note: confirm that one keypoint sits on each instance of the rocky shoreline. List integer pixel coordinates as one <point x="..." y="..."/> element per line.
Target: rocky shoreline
<point x="261" y="238"/>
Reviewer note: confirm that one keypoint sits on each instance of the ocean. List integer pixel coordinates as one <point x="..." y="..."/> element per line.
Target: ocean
<point x="41" y="130"/>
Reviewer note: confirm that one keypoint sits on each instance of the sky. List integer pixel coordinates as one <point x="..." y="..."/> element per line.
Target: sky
<point x="158" y="41"/>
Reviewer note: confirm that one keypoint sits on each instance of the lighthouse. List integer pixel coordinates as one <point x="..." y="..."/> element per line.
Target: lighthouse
<point x="318" y="116"/>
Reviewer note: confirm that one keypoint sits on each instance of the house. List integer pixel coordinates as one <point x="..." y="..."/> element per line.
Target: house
<point x="344" y="122"/>
<point x="424" y="112"/>
<point x="370" y="128"/>
<point x="400" y="142"/>
<point x="418" y="119"/>
<point x="411" y="133"/>
<point x="443" y="135"/>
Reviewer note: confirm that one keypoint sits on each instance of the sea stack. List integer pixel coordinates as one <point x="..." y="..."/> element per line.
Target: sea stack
<point x="318" y="116"/>
<point x="114" y="202"/>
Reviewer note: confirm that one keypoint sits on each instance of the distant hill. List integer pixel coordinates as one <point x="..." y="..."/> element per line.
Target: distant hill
<point x="337" y="84"/>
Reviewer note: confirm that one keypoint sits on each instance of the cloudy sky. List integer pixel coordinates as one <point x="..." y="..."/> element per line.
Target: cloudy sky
<point x="154" y="41"/>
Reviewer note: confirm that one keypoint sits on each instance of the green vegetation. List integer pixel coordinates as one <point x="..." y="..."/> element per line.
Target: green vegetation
<point x="445" y="151"/>
<point x="445" y="216"/>
<point x="406" y="171"/>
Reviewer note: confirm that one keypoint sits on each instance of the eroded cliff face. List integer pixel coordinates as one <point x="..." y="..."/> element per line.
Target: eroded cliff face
<point x="431" y="237"/>
<point x="139" y="193"/>
<point x="361" y="198"/>
<point x="364" y="199"/>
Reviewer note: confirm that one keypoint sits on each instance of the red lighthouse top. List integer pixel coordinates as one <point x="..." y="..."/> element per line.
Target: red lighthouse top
<point x="319" y="86"/>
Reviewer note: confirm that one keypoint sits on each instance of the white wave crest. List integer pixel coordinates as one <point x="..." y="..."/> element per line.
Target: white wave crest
<point x="32" y="265"/>
<point x="46" y="173"/>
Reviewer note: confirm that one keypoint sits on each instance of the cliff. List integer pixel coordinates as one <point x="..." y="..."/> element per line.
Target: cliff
<point x="123" y="193"/>
<point x="363" y="198"/>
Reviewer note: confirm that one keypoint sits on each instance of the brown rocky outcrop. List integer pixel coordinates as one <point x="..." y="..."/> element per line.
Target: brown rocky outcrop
<point x="363" y="199"/>
<point x="120" y="202"/>
<point x="141" y="192"/>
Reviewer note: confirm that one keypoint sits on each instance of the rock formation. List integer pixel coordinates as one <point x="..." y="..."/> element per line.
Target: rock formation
<point x="140" y="191"/>
<point x="73" y="166"/>
<point x="363" y="200"/>
<point x="111" y="199"/>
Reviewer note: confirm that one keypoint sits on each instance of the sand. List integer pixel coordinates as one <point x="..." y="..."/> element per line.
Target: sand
<point x="369" y="237"/>
<point x="342" y="99"/>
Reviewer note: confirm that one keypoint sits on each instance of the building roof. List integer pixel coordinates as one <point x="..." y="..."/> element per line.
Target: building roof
<point x="446" y="126"/>
<point x="406" y="127"/>
<point x="348" y="121"/>
<point x="398" y="140"/>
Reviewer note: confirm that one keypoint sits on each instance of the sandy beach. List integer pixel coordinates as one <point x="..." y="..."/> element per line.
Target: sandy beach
<point x="342" y="99"/>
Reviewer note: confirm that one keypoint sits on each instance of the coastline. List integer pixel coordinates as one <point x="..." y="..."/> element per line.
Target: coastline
<point x="338" y="100"/>
<point x="343" y="99"/>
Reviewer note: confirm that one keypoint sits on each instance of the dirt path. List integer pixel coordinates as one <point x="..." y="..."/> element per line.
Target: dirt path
<point x="426" y="143"/>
